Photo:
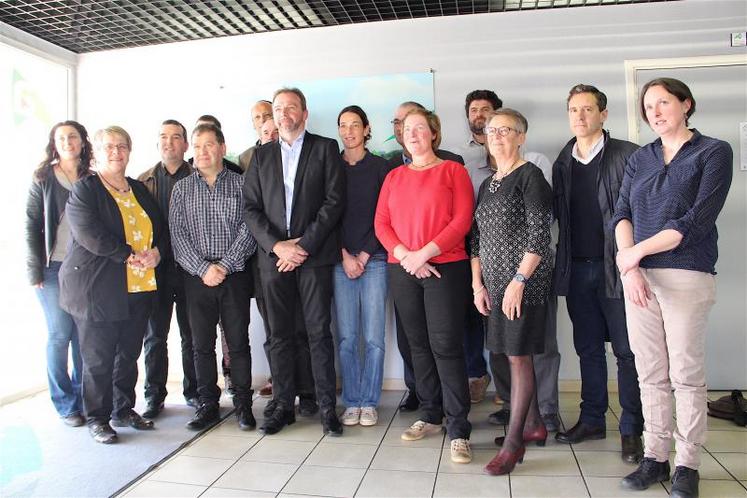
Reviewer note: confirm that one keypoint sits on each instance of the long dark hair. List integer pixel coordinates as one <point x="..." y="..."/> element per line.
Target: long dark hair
<point x="52" y="157"/>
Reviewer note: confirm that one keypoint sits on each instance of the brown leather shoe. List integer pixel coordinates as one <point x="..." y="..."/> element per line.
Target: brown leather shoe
<point x="632" y="449"/>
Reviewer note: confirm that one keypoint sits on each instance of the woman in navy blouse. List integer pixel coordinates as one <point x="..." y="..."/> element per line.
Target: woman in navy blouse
<point x="665" y="226"/>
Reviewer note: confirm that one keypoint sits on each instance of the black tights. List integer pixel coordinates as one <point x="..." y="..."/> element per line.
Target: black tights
<point x="525" y="413"/>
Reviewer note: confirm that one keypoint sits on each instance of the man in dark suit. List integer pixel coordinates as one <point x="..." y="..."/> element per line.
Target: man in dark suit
<point x="295" y="195"/>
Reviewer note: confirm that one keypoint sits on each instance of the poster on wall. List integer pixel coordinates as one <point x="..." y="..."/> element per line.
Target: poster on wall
<point x="378" y="96"/>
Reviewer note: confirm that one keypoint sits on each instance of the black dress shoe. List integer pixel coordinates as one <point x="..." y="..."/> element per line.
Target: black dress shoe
<point x="74" y="420"/>
<point x="632" y="449"/>
<point x="581" y="432"/>
<point x="307" y="406"/>
<point x="411" y="402"/>
<point x="649" y="472"/>
<point x="245" y="417"/>
<point x="277" y="420"/>
<point x="205" y="416"/>
<point x="685" y="483"/>
<point x="193" y="402"/>
<point x="153" y="409"/>
<point x="134" y="420"/>
<point x="331" y="425"/>
<point x="500" y="417"/>
<point x="102" y="432"/>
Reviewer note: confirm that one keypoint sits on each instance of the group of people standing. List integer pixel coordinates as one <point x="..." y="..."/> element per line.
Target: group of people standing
<point x="301" y="226"/>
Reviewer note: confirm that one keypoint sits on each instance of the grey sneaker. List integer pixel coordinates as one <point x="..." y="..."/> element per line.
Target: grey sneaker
<point x="460" y="451"/>
<point x="351" y="416"/>
<point x="419" y="430"/>
<point x="369" y="416"/>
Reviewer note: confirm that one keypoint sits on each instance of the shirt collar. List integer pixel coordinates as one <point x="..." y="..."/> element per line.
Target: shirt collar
<point x="598" y="146"/>
<point x="298" y="142"/>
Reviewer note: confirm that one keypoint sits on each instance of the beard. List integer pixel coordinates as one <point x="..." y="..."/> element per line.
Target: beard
<point x="477" y="126"/>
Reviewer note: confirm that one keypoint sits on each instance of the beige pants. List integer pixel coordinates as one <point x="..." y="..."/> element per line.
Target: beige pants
<point x="668" y="340"/>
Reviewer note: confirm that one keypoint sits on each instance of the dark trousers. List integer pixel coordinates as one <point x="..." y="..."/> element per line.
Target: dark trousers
<point x="307" y="291"/>
<point x="304" y="379"/>
<point x="597" y="318"/>
<point x="229" y="303"/>
<point x="474" y="340"/>
<point x="170" y="293"/>
<point x="404" y="350"/>
<point x="546" y="367"/>
<point x="110" y="351"/>
<point x="432" y="311"/>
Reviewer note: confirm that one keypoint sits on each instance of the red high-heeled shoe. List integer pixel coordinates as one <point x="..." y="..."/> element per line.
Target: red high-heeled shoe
<point x="504" y="462"/>
<point x="538" y="435"/>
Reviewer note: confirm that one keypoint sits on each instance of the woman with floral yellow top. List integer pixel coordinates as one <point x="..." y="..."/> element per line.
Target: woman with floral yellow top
<point x="108" y="281"/>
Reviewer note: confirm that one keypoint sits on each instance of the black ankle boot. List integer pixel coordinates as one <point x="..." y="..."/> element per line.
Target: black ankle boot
<point x="685" y="483"/>
<point x="649" y="472"/>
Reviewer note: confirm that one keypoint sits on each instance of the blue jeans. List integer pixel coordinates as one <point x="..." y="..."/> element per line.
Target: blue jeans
<point x="596" y="319"/>
<point x="360" y="306"/>
<point x="62" y="333"/>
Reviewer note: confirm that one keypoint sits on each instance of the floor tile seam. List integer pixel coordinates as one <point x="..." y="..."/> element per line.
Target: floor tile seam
<point x="378" y="446"/>
<point x="438" y="464"/>
<point x="723" y="466"/>
<point x="301" y="464"/>
<point x="234" y="463"/>
<point x="581" y="472"/>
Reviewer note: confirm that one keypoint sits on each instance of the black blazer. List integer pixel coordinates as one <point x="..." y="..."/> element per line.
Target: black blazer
<point x="318" y="201"/>
<point x="93" y="278"/>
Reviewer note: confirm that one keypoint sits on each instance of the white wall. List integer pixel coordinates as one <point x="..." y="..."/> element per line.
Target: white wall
<point x="530" y="58"/>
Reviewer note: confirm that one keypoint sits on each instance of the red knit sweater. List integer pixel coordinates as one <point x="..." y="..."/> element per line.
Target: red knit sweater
<point x="417" y="207"/>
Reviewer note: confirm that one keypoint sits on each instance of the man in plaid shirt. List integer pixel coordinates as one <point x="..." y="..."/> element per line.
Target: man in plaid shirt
<point x="212" y="243"/>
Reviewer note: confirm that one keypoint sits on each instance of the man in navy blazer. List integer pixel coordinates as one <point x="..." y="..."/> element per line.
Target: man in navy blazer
<point x="294" y="194"/>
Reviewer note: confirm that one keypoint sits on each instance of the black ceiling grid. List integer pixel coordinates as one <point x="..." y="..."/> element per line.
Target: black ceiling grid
<point x="91" y="25"/>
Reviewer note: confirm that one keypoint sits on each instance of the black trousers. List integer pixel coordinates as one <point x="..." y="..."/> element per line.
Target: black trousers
<point x="307" y="291"/>
<point x="229" y="303"/>
<point x="170" y="293"/>
<point x="432" y="312"/>
<point x="110" y="351"/>
<point x="404" y="351"/>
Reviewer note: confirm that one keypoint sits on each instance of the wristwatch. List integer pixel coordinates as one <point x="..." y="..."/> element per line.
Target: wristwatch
<point x="519" y="277"/>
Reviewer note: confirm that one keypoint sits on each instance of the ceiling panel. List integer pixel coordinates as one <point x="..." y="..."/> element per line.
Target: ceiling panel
<point x="88" y="26"/>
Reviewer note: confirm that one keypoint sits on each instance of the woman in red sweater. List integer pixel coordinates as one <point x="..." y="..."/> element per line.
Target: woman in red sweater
<point x="422" y="217"/>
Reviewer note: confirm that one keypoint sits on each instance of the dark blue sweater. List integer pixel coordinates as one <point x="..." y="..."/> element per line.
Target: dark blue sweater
<point x="686" y="195"/>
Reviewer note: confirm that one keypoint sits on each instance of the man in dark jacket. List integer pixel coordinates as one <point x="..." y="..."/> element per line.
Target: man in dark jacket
<point x="160" y="181"/>
<point x="586" y="181"/>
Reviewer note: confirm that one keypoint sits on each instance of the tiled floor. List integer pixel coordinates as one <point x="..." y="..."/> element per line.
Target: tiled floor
<point x="374" y="461"/>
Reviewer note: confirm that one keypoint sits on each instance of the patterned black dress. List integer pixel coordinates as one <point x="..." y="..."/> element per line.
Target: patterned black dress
<point x="513" y="216"/>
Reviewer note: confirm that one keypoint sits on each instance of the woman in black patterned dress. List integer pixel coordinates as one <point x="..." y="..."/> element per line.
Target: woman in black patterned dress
<point x="511" y="274"/>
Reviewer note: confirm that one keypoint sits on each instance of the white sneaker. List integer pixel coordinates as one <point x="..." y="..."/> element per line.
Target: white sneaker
<point x="351" y="416"/>
<point x="460" y="451"/>
<point x="369" y="416"/>
<point x="419" y="430"/>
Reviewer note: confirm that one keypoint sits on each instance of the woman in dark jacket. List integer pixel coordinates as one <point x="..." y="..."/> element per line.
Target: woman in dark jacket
<point x="108" y="282"/>
<point x="68" y="158"/>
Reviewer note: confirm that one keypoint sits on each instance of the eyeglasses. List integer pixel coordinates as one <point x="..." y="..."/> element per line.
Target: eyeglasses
<point x="119" y="147"/>
<point x="501" y="130"/>
<point x="396" y="122"/>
